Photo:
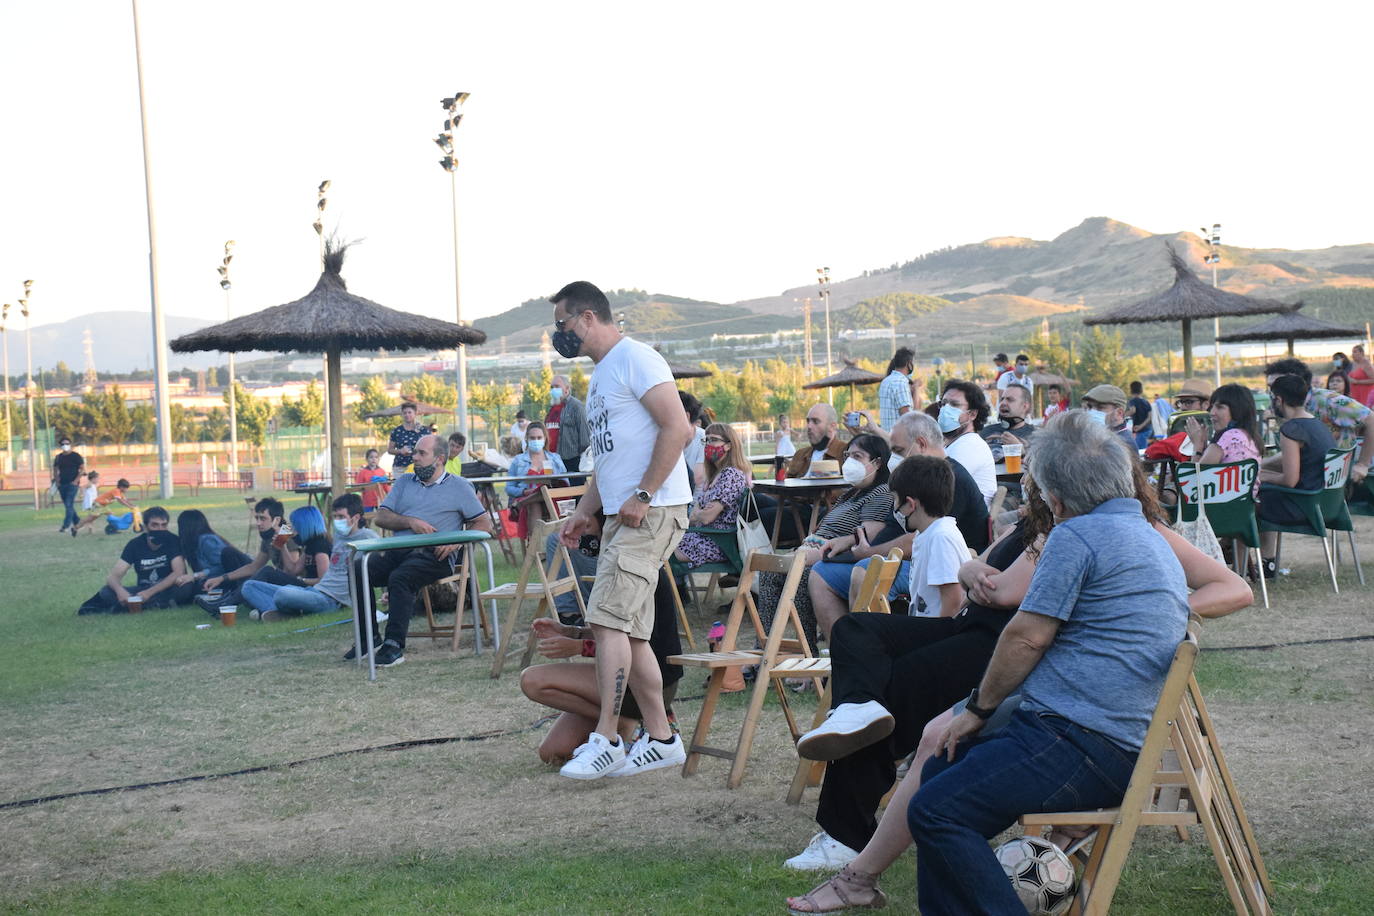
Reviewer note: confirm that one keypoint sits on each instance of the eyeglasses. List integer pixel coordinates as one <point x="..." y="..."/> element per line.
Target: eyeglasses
<point x="716" y="440"/>
<point x="561" y="323"/>
<point x="1188" y="403"/>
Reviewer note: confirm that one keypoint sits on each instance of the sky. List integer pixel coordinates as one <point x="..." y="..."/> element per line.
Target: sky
<point x="721" y="151"/>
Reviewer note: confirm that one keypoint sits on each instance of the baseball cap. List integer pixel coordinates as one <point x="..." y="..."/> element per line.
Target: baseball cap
<point x="1106" y="394"/>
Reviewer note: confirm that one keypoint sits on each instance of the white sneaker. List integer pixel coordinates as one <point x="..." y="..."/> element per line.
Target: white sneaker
<point x="823" y="852"/>
<point x="848" y="727"/>
<point x="597" y="758"/>
<point x="647" y="754"/>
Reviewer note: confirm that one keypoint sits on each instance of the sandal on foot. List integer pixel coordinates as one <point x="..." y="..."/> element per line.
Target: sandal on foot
<point x="846" y="890"/>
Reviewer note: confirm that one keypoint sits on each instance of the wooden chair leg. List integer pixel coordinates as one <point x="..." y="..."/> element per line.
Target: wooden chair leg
<point x="703" y="728"/>
<point x="809" y="771"/>
<point x="749" y="728"/>
<point x="498" y="659"/>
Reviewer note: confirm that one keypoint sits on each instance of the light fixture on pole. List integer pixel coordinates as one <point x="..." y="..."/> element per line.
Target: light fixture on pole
<point x="318" y="226"/>
<point x="5" y="337"/>
<point x="453" y="105"/>
<point x="225" y="285"/>
<point x="28" y="390"/>
<point x="1213" y="241"/>
<point x="824" y="274"/>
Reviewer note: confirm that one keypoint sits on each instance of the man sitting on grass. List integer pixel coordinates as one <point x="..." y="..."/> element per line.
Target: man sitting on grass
<point x="155" y="558"/>
<point x="268" y="514"/>
<point x="331" y="592"/>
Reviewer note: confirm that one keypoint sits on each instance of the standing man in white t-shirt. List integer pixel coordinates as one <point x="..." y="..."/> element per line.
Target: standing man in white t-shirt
<point x="638" y="431"/>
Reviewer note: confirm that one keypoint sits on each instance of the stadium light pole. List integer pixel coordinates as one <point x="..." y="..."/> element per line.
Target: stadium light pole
<point x="233" y="395"/>
<point x="824" y="274"/>
<point x="5" y="337"/>
<point x="28" y="390"/>
<point x="161" y="393"/>
<point x="453" y="105"/>
<point x="1213" y="256"/>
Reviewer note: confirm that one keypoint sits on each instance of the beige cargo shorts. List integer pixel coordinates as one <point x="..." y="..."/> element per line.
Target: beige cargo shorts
<point x="627" y="570"/>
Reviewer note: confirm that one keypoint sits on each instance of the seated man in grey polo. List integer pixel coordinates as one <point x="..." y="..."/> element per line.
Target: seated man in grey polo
<point x="427" y="500"/>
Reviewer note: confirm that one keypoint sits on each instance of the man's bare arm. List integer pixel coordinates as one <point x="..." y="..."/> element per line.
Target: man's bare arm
<point x="674" y="432"/>
<point x="1019" y="649"/>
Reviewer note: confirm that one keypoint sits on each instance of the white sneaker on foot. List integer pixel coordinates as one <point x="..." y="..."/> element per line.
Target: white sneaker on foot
<point x="647" y="754"/>
<point x="823" y="852"/>
<point x="849" y="727"/>
<point x="597" y="758"/>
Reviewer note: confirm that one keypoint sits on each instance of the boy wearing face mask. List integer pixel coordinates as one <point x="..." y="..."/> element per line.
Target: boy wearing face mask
<point x="938" y="549"/>
<point x="566" y="423"/>
<point x="155" y="557"/>
<point x="331" y="592"/>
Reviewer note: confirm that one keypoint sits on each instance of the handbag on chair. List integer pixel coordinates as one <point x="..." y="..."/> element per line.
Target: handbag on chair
<point x="1199" y="532"/>
<point x="751" y="535"/>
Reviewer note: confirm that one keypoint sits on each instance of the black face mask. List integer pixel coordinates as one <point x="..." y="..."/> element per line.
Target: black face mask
<point x="159" y="540"/>
<point x="423" y="474"/>
<point x="567" y="343"/>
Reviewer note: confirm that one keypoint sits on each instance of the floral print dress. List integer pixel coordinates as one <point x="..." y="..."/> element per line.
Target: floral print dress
<point x="726" y="489"/>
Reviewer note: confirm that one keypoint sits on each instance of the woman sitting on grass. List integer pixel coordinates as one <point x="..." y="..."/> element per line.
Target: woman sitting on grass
<point x="571" y="688"/>
<point x="717" y="503"/>
<point x="203" y="550"/>
<point x="304" y="559"/>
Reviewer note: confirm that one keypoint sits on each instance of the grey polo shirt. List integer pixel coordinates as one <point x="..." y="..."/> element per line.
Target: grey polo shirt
<point x="447" y="505"/>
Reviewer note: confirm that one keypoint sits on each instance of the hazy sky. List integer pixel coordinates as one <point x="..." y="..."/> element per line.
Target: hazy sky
<point x="715" y="150"/>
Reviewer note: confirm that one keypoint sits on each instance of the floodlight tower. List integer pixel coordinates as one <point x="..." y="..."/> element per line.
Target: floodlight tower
<point x="823" y="273"/>
<point x="318" y="225"/>
<point x="28" y="390"/>
<point x="226" y="285"/>
<point x="453" y="106"/>
<point x="1213" y="241"/>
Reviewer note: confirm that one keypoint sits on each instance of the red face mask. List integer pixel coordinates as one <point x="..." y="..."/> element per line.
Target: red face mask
<point x="715" y="452"/>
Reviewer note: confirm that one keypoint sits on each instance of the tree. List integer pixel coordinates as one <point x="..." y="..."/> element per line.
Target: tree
<point x="492" y="402"/>
<point x="534" y="398"/>
<point x="430" y="390"/>
<point x="753" y="398"/>
<point x="215" y="427"/>
<point x="307" y="411"/>
<point x="185" y="425"/>
<point x="722" y="394"/>
<point x="578" y="382"/>
<point x="1103" y="360"/>
<point x="252" y="415"/>
<point x="1046" y="349"/>
<point x="144" y="423"/>
<point x="374" y="398"/>
<point x="112" y="420"/>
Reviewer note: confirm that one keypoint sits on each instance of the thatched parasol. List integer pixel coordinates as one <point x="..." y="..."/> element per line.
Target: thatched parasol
<point x="1290" y="327"/>
<point x="850" y="375"/>
<point x="421" y="408"/>
<point x="329" y="320"/>
<point x="680" y="371"/>
<point x="1188" y="300"/>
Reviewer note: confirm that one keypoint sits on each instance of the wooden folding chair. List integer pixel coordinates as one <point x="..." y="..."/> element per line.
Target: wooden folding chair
<point x="559" y="502"/>
<point x="462" y="594"/>
<point x="1180" y="779"/>
<point x="251" y="545"/>
<point x="684" y="624"/>
<point x="551" y="583"/>
<point x="872" y="598"/>
<point x="775" y="647"/>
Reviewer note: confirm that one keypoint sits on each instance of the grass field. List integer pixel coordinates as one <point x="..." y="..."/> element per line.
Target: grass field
<point x="480" y="825"/>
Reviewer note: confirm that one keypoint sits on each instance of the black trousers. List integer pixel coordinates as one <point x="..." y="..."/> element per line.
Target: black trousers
<point x="917" y="667"/>
<point x="403" y="573"/>
<point x="106" y="601"/>
<point x="573" y="464"/>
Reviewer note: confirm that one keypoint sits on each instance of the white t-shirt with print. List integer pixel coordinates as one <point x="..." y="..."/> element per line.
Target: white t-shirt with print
<point x="936" y="555"/>
<point x="622" y="430"/>
<point x="973" y="453"/>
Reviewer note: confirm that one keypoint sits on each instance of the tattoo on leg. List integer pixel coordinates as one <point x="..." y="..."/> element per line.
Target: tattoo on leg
<point x="619" y="696"/>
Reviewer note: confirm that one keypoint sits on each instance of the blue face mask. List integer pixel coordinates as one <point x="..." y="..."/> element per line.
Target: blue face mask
<point x="1099" y="415"/>
<point x="342" y="527"/>
<point x="950" y="417"/>
<point x="555" y="394"/>
<point x="535" y="445"/>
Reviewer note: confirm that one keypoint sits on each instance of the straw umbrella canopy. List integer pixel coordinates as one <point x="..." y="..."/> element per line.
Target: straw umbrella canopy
<point x="1189" y="300"/>
<point x="329" y="320"/>
<point x="850" y="375"/>
<point x="1290" y="327"/>
<point x="421" y="408"/>
<point x="680" y="371"/>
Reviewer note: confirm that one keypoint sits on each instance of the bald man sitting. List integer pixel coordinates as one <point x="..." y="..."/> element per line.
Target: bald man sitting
<point x="823" y="443"/>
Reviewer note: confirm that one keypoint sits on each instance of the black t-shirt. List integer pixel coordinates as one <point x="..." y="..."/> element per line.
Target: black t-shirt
<point x="316" y="545"/>
<point x="969" y="510"/>
<point x="68" y="467"/>
<point x="1000" y="558"/>
<point x="151" y="563"/>
<point x="1140" y="411"/>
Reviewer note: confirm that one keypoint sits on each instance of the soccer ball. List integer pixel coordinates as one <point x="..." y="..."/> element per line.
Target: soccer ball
<point x="1040" y="873"/>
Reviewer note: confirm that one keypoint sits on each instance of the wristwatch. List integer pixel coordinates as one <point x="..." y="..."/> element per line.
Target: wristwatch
<point x="973" y="707"/>
<point x="643" y="496"/>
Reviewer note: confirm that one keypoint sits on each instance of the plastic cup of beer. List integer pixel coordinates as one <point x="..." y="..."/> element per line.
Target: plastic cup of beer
<point x="283" y="535"/>
<point x="135" y="604"/>
<point x="1012" y="454"/>
<point x="228" y="614"/>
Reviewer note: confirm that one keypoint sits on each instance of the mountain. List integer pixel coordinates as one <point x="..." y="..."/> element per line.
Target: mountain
<point x="120" y="342"/>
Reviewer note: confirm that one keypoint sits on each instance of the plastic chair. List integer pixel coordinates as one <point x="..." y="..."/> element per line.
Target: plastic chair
<point x="727" y="541"/>
<point x="1227" y="492"/>
<point x="1335" y="510"/>
<point x="1310" y="502"/>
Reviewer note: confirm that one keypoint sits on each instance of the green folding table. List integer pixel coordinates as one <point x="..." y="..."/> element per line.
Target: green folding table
<point x="401" y="542"/>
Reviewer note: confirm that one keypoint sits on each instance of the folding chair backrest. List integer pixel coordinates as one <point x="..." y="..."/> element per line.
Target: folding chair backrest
<point x="561" y="501"/>
<point x="757" y="562"/>
<point x="1227" y="490"/>
<point x="877" y="582"/>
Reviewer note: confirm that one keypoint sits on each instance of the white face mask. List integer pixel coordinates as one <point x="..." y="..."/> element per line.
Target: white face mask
<point x="895" y="460"/>
<point x="1099" y="415"/>
<point x="853" y="471"/>
<point x="342" y="527"/>
<point x="951" y="418"/>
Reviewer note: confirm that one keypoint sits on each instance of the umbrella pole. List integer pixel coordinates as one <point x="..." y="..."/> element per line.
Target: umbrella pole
<point x="1187" y="348"/>
<point x="1290" y="347"/>
<point x="337" y="476"/>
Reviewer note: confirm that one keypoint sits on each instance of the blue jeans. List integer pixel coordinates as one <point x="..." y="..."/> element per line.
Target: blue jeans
<point x="292" y="599"/>
<point x="836" y="576"/>
<point x="260" y="595"/>
<point x="1038" y="762"/>
<point x="68" y="493"/>
<point x="1142" y="438"/>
